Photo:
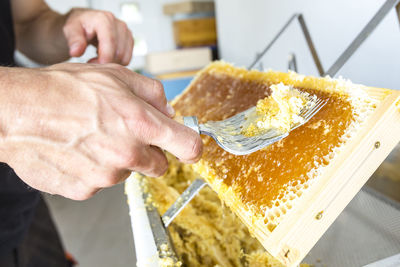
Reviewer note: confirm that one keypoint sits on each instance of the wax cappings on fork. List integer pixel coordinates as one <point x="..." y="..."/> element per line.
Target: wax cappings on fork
<point x="228" y="133"/>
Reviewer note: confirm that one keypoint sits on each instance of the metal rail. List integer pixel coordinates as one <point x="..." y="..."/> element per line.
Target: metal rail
<point x="354" y="45"/>
<point x="363" y="35"/>
<point x="306" y="33"/>
<point x="165" y="246"/>
<point x="292" y="63"/>
<point x="182" y="200"/>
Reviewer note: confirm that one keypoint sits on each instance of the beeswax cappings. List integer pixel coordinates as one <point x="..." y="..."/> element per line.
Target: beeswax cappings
<point x="280" y="110"/>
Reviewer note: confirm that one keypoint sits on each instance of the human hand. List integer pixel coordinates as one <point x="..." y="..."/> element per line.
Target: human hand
<point x="110" y="35"/>
<point x="72" y="129"/>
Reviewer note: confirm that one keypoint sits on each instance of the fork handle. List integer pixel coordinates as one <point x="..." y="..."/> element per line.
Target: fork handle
<point x="190" y="121"/>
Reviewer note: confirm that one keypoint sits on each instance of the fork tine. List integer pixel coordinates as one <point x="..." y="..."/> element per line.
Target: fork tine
<point x="311" y="111"/>
<point x="305" y="111"/>
<point x="314" y="109"/>
<point x="317" y="103"/>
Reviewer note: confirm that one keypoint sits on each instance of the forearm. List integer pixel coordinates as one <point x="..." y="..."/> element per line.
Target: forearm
<point x="20" y="90"/>
<point x="10" y="101"/>
<point x="42" y="38"/>
<point x="8" y="98"/>
<point x="4" y="110"/>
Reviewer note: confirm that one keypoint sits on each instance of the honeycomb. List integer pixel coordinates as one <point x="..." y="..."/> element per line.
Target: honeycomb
<point x="206" y="232"/>
<point x="265" y="185"/>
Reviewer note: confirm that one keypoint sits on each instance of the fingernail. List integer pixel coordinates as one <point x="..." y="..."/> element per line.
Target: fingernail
<point x="170" y="110"/>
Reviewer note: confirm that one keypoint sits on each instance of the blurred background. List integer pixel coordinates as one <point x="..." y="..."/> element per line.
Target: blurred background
<point x="174" y="39"/>
<point x="241" y="29"/>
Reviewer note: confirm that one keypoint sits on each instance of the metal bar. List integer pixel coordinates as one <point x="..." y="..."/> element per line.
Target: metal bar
<point x="182" y="200"/>
<point x="162" y="239"/>
<point x="310" y="44"/>
<point x="260" y="65"/>
<point x="292" y="63"/>
<point x="273" y="41"/>
<point x="398" y="12"/>
<point x="386" y="262"/>
<point x="362" y="36"/>
<point x="375" y="193"/>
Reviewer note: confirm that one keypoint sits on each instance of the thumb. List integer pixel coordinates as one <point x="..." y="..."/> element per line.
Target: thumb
<point x="178" y="139"/>
<point x="76" y="38"/>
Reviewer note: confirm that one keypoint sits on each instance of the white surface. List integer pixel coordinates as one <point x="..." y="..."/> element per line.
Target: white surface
<point x="146" y="251"/>
<point x="245" y="27"/>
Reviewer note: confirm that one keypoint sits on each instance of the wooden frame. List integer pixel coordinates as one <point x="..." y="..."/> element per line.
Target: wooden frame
<point x="314" y="211"/>
<point x="326" y="198"/>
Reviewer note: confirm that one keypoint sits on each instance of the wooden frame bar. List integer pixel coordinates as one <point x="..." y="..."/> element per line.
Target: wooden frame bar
<point x="316" y="210"/>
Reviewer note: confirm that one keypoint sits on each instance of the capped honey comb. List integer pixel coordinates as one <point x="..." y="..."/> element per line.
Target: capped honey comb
<point x="264" y="185"/>
<point x="290" y="192"/>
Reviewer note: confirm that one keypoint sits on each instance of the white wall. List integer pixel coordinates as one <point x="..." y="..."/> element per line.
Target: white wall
<point x="65" y="6"/>
<point x="245" y="27"/>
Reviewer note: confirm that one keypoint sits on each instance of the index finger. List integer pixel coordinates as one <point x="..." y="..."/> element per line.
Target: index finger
<point x="107" y="39"/>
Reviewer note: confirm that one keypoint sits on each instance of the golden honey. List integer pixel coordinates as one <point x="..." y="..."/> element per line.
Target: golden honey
<point x="267" y="181"/>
